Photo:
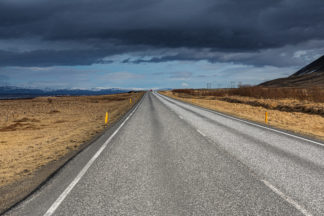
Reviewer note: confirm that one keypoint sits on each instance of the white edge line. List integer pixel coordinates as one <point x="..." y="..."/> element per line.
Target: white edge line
<point x="200" y="132"/>
<point x="60" y="199"/>
<point x="268" y="184"/>
<point x="250" y="123"/>
<point x="287" y="198"/>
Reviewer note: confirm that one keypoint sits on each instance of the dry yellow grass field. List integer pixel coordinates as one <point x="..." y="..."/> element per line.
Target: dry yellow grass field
<point x="291" y="119"/>
<point x="35" y="132"/>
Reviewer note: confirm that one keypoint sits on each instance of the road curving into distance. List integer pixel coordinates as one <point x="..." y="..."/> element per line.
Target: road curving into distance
<point x="171" y="158"/>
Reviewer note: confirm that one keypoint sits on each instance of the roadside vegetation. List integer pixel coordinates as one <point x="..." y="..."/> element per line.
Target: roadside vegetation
<point x="310" y="100"/>
<point x="298" y="110"/>
<point x="36" y="133"/>
<point x="303" y="94"/>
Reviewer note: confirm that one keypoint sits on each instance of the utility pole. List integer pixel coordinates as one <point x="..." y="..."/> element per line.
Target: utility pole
<point x="232" y="84"/>
<point x="208" y="85"/>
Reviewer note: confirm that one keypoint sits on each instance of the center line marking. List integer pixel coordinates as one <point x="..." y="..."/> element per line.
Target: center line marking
<point x="201" y="132"/>
<point x="180" y="117"/>
<point x="287" y="198"/>
<point x="267" y="184"/>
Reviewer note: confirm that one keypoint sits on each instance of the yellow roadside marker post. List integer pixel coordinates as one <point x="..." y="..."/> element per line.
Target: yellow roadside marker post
<point x="266" y="117"/>
<point x="106" y="119"/>
<point x="130" y="100"/>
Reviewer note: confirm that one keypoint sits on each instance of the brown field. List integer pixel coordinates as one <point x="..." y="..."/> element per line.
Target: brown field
<point x="314" y="94"/>
<point x="36" y="132"/>
<point x="290" y="112"/>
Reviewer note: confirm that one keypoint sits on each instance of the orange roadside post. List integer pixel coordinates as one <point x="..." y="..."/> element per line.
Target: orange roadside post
<point x="106" y="119"/>
<point x="266" y="117"/>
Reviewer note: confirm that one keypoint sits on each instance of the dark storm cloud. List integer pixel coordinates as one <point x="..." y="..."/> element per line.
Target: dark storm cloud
<point x="52" y="57"/>
<point x="44" y="58"/>
<point x="286" y="56"/>
<point x="221" y="25"/>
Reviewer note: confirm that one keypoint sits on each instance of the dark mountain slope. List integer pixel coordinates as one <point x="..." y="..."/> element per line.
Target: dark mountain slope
<point x="311" y="75"/>
<point x="316" y="66"/>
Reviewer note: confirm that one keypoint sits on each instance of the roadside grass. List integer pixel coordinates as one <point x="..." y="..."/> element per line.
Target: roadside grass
<point x="304" y="94"/>
<point x="35" y="132"/>
<point x="297" y="115"/>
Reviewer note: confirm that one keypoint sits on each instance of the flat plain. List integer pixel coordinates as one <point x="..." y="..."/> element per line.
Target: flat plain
<point x="300" y="116"/>
<point x="41" y="131"/>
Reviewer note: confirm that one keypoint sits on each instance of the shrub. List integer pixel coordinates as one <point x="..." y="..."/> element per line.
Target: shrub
<point x="311" y="94"/>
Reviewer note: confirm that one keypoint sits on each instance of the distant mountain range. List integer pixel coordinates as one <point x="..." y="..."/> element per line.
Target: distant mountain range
<point x="311" y="75"/>
<point x="10" y="92"/>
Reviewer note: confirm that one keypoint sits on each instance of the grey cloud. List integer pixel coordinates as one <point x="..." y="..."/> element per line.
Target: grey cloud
<point x="289" y="55"/>
<point x="224" y="26"/>
<point x="47" y="58"/>
<point x="230" y="24"/>
<point x="67" y="57"/>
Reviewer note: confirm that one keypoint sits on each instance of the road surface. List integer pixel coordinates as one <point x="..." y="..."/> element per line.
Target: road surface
<point x="172" y="158"/>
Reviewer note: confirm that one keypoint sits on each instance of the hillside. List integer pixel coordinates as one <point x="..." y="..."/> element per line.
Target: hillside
<point x="312" y="75"/>
<point x="10" y="92"/>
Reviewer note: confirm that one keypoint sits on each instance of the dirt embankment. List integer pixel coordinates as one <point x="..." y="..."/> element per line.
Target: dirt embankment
<point x="41" y="131"/>
<point x="304" y="117"/>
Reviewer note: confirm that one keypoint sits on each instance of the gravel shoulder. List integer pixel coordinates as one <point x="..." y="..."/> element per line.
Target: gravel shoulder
<point x="38" y="136"/>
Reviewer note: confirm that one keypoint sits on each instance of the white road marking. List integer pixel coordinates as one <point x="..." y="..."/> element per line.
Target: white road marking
<point x="201" y="132"/>
<point x="60" y="199"/>
<point x="180" y="117"/>
<point x="268" y="184"/>
<point x="250" y="123"/>
<point x="287" y="198"/>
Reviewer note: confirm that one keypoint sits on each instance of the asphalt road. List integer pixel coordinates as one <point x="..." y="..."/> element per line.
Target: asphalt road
<point x="171" y="158"/>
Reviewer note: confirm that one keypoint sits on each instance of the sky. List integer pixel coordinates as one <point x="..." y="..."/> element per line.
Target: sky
<point x="144" y="44"/>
